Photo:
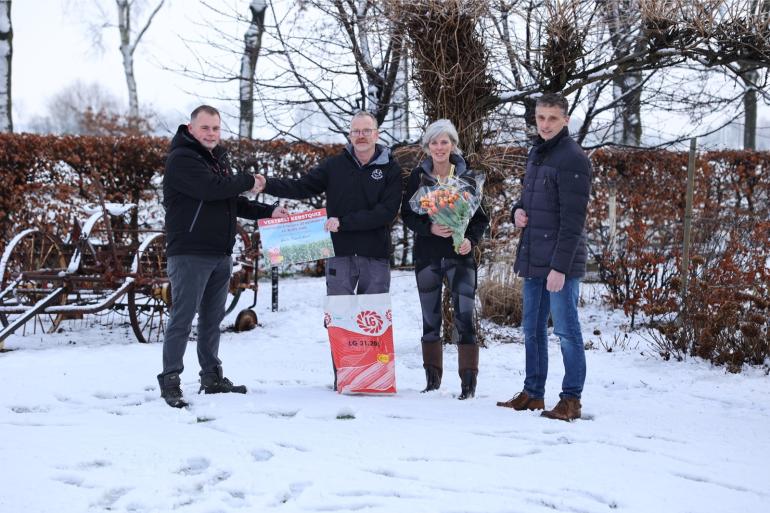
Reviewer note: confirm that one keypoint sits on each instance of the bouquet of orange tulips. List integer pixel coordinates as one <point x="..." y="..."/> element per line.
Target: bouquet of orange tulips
<point x="451" y="203"/>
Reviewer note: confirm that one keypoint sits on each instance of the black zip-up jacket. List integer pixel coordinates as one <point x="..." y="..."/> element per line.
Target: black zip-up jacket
<point x="201" y="198"/>
<point x="557" y="186"/>
<point x="365" y="199"/>
<point x="426" y="245"/>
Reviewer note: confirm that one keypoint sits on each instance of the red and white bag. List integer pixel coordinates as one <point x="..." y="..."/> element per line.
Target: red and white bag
<point x="361" y="338"/>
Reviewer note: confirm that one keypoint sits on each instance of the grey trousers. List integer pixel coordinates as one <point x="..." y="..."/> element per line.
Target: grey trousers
<point x="461" y="275"/>
<point x="199" y="285"/>
<point x="348" y="275"/>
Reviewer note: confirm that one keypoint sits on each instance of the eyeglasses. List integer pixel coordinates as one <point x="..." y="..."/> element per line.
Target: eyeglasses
<point x="366" y="132"/>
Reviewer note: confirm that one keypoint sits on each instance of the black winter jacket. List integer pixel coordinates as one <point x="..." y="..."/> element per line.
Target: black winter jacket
<point x="365" y="199"/>
<point x="555" y="194"/>
<point x="201" y="198"/>
<point x="426" y="245"/>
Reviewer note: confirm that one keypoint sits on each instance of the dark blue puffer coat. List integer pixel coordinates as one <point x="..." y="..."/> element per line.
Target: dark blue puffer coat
<point x="555" y="195"/>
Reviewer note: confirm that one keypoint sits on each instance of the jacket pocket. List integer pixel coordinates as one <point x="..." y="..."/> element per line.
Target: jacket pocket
<point x="542" y="248"/>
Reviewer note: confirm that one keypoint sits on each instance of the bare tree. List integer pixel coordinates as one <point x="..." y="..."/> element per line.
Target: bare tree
<point x="252" y="45"/>
<point x="128" y="11"/>
<point x="69" y="108"/>
<point x="606" y="52"/>
<point x="6" y="54"/>
<point x="339" y="76"/>
<point x="450" y="63"/>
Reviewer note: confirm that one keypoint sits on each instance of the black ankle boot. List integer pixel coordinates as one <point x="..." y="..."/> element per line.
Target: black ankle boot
<point x="171" y="390"/>
<point x="215" y="384"/>
<point x="468" y="385"/>
<point x="432" y="378"/>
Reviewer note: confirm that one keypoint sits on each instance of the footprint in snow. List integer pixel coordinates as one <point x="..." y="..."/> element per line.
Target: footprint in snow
<point x="194" y="467"/>
<point x="292" y="446"/>
<point x="110" y="497"/>
<point x="521" y="454"/>
<point x="295" y="490"/>
<point x="261" y="454"/>
<point x="71" y="480"/>
<point x="88" y="465"/>
<point x="30" y="409"/>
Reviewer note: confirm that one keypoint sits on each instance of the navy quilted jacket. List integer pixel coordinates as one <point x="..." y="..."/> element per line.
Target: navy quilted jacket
<point x="555" y="195"/>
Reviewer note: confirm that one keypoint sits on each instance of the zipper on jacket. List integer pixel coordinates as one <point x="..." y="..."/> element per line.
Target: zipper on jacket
<point x="195" y="217"/>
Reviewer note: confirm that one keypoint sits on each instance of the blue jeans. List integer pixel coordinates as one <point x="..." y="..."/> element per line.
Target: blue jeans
<point x="562" y="306"/>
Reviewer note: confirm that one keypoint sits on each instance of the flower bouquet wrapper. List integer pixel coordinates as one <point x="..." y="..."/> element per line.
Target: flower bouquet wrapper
<point x="451" y="203"/>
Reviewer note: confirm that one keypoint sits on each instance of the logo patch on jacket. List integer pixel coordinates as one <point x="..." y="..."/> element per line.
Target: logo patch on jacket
<point x="377" y="174"/>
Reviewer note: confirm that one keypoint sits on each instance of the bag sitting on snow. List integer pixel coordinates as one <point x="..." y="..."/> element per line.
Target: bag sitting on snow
<point x="361" y="338"/>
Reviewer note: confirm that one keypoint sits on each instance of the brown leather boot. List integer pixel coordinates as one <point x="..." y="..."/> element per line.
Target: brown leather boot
<point x="568" y="408"/>
<point x="468" y="368"/>
<point x="522" y="401"/>
<point x="433" y="362"/>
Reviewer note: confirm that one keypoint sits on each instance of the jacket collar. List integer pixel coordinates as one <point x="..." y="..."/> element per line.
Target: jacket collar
<point x="542" y="146"/>
<point x="461" y="168"/>
<point x="184" y="139"/>
<point x="381" y="155"/>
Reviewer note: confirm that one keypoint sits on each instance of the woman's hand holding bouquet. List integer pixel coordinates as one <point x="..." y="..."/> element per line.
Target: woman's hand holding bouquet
<point x="451" y="204"/>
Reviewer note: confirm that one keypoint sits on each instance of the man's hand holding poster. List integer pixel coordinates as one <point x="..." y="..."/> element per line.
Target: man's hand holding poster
<point x="298" y="238"/>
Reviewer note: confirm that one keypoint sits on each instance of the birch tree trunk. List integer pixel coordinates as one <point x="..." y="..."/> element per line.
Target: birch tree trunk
<point x="6" y="53"/>
<point x="252" y="45"/>
<point x="128" y="47"/>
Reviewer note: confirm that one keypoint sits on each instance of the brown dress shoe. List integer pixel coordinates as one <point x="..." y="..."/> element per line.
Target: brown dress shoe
<point x="522" y="401"/>
<point x="568" y="408"/>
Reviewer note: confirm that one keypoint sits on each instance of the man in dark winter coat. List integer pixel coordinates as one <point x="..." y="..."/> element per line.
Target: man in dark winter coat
<point x="202" y="199"/>
<point x="552" y="257"/>
<point x="363" y="194"/>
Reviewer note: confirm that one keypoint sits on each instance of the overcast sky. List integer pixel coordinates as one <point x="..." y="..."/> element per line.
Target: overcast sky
<point x="52" y="49"/>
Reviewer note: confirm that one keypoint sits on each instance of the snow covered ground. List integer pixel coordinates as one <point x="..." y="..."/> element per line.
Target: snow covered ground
<point x="82" y="427"/>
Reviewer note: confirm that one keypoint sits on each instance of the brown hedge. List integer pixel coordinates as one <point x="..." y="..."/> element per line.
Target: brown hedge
<point x="45" y="178"/>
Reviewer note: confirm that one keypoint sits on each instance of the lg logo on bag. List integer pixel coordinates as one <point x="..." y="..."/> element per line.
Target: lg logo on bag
<point x="377" y="174"/>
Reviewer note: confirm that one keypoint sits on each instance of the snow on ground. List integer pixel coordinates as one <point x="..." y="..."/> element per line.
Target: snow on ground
<point x="82" y="427"/>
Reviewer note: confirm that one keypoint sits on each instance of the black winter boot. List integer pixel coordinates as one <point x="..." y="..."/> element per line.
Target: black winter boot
<point x="433" y="362"/>
<point x="216" y="383"/>
<point x="468" y="384"/>
<point x="432" y="378"/>
<point x="468" y="368"/>
<point x="171" y="390"/>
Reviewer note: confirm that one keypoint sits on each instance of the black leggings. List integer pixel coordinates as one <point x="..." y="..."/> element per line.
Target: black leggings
<point x="461" y="275"/>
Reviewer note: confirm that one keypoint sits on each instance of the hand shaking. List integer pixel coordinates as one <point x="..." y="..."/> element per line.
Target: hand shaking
<point x="259" y="184"/>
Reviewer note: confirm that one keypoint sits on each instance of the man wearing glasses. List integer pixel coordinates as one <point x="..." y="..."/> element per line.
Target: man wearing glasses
<point x="363" y="196"/>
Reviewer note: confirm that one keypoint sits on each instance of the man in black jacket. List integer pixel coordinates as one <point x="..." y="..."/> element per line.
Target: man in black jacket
<point x="552" y="257"/>
<point x="202" y="200"/>
<point x="363" y="193"/>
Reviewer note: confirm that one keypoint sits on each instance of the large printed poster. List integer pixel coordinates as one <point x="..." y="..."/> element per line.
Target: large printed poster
<point x="298" y="238"/>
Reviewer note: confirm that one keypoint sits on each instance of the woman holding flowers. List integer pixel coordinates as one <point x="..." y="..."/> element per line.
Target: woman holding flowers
<point x="441" y="207"/>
